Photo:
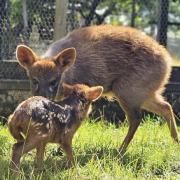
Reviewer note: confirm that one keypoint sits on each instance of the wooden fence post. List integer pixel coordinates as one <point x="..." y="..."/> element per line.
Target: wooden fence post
<point x="60" y="19"/>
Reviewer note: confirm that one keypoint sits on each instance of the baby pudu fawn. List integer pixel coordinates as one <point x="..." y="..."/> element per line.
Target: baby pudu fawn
<point x="38" y="121"/>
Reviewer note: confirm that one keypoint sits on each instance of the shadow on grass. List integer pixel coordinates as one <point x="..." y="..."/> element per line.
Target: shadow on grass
<point x="4" y="170"/>
<point x="83" y="158"/>
<point x="55" y="164"/>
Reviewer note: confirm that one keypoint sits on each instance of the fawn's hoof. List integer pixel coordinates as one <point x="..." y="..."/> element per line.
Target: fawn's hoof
<point x="69" y="164"/>
<point x="176" y="139"/>
<point x="121" y="151"/>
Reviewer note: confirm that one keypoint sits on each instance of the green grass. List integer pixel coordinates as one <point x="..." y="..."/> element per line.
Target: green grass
<point x="151" y="155"/>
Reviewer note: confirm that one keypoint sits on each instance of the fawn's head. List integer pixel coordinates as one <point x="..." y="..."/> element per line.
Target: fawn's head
<point x="82" y="93"/>
<point x="45" y="74"/>
<point x="90" y="94"/>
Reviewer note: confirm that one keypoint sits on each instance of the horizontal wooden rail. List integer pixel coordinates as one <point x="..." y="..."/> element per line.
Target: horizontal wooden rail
<point x="14" y="84"/>
<point x="10" y="69"/>
<point x="172" y="87"/>
<point x="13" y="77"/>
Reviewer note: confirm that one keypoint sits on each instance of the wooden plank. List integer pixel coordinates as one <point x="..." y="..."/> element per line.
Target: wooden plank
<point x="10" y="69"/>
<point x="13" y="76"/>
<point x="25" y="85"/>
<point x="14" y="85"/>
<point x="60" y="19"/>
<point x="173" y="87"/>
<point x="175" y="75"/>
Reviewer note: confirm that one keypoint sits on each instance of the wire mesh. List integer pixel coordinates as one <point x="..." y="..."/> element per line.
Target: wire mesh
<point x="20" y="18"/>
<point x="17" y="20"/>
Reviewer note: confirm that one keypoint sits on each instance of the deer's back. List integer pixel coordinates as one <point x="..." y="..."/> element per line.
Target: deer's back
<point x="107" y="53"/>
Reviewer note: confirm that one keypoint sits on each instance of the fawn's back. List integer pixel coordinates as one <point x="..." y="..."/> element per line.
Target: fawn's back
<point x="46" y="120"/>
<point x="41" y="121"/>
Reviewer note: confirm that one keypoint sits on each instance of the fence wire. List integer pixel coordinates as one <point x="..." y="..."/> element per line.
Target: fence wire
<point x="21" y="18"/>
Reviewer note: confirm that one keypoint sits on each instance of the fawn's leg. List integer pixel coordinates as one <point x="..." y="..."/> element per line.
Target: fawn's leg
<point x="18" y="150"/>
<point x="16" y="155"/>
<point x="67" y="147"/>
<point x="158" y="105"/>
<point x="40" y="149"/>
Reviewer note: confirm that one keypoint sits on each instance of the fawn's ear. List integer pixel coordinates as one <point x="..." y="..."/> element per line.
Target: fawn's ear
<point x="65" y="58"/>
<point x="25" y="56"/>
<point x="94" y="93"/>
<point x="67" y="89"/>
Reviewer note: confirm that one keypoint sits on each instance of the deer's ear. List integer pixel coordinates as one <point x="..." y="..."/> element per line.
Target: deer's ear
<point x="94" y="93"/>
<point x="66" y="58"/>
<point x="25" y="56"/>
<point x="67" y="89"/>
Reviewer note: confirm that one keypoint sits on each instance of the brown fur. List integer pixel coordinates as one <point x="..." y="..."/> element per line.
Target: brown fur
<point x="42" y="121"/>
<point x="126" y="62"/>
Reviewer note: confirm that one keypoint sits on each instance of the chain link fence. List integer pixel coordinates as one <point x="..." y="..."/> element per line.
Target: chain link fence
<point x="19" y="18"/>
<point x="32" y="22"/>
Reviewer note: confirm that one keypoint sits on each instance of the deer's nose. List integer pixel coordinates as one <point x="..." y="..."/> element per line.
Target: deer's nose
<point x="45" y="93"/>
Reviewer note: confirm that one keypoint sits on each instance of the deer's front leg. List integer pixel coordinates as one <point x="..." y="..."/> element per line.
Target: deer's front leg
<point x="40" y="149"/>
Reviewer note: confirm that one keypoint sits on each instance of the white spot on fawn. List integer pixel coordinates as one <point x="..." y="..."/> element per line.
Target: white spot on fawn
<point x="47" y="125"/>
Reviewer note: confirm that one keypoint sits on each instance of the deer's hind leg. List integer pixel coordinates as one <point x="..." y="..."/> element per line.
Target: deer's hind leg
<point x="159" y="106"/>
<point x="130" y="102"/>
<point x="18" y="150"/>
<point x="134" y="117"/>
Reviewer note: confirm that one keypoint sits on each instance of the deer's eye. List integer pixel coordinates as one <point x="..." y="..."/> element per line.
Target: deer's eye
<point x="34" y="81"/>
<point x="54" y="83"/>
<point x="35" y="84"/>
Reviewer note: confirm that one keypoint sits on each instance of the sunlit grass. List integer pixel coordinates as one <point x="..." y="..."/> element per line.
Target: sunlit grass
<point x="151" y="155"/>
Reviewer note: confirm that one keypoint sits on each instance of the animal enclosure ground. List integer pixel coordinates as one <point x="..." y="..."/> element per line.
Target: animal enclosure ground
<point x="151" y="155"/>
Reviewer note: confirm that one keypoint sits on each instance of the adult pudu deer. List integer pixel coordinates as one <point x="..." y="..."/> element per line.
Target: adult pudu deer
<point x="125" y="61"/>
<point x="42" y="121"/>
